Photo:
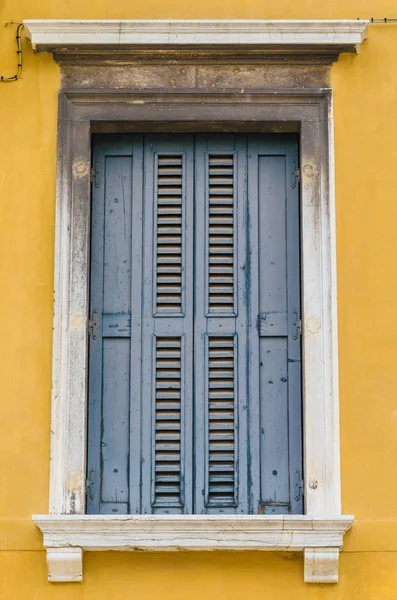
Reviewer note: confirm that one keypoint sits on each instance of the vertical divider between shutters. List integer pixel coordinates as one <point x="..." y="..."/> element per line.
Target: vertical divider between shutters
<point x="136" y="326"/>
<point x="145" y="450"/>
<point x="252" y="360"/>
<point x="188" y="372"/>
<point x="200" y="342"/>
<point x="241" y="339"/>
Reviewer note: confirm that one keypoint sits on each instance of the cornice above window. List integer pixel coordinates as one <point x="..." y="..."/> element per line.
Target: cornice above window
<point x="315" y="37"/>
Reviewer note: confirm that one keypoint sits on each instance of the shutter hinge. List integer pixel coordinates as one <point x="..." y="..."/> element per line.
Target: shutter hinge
<point x="296" y="176"/>
<point x="298" y="486"/>
<point x="93" y="324"/>
<point x="88" y="484"/>
<point x="298" y="325"/>
<point x="95" y="179"/>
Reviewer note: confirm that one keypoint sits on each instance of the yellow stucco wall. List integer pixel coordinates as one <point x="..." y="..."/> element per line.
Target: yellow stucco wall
<point x="366" y="194"/>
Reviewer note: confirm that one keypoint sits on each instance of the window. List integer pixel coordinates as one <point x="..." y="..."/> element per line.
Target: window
<point x="254" y="82"/>
<point x="67" y="529"/>
<point x="195" y="349"/>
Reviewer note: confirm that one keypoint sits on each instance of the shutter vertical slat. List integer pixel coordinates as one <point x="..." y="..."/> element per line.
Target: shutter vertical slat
<point x="136" y="327"/>
<point x="253" y="360"/>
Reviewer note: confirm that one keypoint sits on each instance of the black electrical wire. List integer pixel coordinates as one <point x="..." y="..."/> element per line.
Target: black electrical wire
<point x="385" y="20"/>
<point x="19" y="53"/>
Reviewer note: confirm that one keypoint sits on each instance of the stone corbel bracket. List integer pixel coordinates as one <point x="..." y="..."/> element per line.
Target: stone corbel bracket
<point x="67" y="536"/>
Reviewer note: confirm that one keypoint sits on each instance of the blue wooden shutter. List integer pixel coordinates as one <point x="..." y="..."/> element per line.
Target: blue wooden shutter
<point x="220" y="325"/>
<point x="195" y="348"/>
<point x="275" y="344"/>
<point x="141" y="356"/>
<point x="119" y="166"/>
<point x="167" y="326"/>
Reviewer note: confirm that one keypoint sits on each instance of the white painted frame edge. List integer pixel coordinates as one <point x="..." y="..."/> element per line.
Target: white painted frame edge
<point x="321" y="402"/>
<point x="62" y="33"/>
<point x="65" y="536"/>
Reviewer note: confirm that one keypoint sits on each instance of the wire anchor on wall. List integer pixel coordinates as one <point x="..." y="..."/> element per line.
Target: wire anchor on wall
<point x="19" y="54"/>
<point x="385" y="20"/>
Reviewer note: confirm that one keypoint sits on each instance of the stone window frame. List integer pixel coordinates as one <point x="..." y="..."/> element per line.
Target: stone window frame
<point x="67" y="530"/>
<point x="309" y="112"/>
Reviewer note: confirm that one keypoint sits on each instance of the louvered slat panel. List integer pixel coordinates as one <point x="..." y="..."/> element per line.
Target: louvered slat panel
<point x="169" y="234"/>
<point x="167" y="489"/>
<point x="221" y="421"/>
<point x="221" y="233"/>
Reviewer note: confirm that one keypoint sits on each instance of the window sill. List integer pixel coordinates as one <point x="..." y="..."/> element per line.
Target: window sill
<point x="66" y="536"/>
